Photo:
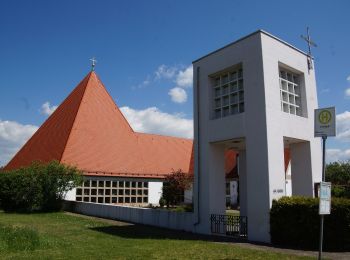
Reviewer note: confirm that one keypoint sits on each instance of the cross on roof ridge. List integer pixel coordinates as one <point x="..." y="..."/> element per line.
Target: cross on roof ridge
<point x="310" y="43"/>
<point x="93" y="63"/>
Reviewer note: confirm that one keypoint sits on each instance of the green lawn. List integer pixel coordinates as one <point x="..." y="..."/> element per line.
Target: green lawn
<point x="64" y="236"/>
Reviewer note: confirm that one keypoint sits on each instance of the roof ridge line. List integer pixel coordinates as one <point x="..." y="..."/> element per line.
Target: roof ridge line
<point x="70" y="131"/>
<point x="185" y="138"/>
<point x="114" y="102"/>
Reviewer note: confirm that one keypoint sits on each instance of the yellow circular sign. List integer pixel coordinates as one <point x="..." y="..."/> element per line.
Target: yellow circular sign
<point x="325" y="117"/>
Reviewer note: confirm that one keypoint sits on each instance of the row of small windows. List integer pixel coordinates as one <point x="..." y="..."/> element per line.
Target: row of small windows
<point x="113" y="191"/>
<point x="114" y="200"/>
<point x="228" y="93"/>
<point x="102" y="192"/>
<point x="121" y="184"/>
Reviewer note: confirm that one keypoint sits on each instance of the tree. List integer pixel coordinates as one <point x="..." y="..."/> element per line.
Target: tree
<point x="174" y="186"/>
<point x="338" y="173"/>
<point x="38" y="187"/>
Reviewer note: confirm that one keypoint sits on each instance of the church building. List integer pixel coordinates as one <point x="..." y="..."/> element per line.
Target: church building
<point x="254" y="102"/>
<point x="120" y="165"/>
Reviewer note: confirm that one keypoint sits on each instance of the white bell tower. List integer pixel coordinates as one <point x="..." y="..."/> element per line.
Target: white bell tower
<point x="257" y="96"/>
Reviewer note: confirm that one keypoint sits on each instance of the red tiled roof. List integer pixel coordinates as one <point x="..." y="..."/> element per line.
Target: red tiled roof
<point x="286" y="158"/>
<point x="88" y="131"/>
<point x="49" y="141"/>
<point x="231" y="164"/>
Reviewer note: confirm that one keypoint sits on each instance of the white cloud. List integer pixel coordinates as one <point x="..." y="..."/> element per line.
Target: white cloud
<point x="47" y="109"/>
<point x="152" y="120"/>
<point x="178" y="95"/>
<point x="348" y="78"/>
<point x="180" y="75"/>
<point x="343" y="126"/>
<point x="347" y="92"/>
<point x="165" y="72"/>
<point x="184" y="78"/>
<point x="334" y="155"/>
<point x="12" y="137"/>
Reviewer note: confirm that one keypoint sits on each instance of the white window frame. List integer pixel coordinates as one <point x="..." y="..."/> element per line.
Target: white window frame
<point x="290" y="92"/>
<point x="114" y="191"/>
<point x="228" y="93"/>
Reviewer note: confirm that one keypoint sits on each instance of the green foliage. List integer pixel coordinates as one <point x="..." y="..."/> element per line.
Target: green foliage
<point x="183" y="208"/>
<point x="174" y="186"/>
<point x="162" y="202"/>
<point x="37" y="187"/>
<point x="294" y="221"/>
<point x="338" y="173"/>
<point x="19" y="238"/>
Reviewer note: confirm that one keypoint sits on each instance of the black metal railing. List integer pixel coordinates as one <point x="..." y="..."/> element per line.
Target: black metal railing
<point x="235" y="226"/>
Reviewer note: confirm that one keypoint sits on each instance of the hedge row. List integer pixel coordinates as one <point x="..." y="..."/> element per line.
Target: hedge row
<point x="39" y="187"/>
<point x="294" y="222"/>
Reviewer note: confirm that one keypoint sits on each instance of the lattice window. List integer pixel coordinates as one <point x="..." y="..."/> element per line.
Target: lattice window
<point x="113" y="191"/>
<point x="228" y="93"/>
<point x="290" y="92"/>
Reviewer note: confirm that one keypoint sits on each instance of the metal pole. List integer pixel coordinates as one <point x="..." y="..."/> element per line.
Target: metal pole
<point x="324" y="138"/>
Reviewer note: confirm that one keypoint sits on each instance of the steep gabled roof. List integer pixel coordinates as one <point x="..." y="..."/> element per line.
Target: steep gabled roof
<point x="89" y="131"/>
<point x="49" y="141"/>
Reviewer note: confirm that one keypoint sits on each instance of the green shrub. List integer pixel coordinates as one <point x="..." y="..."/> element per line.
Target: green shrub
<point x="162" y="202"/>
<point x="39" y="187"/>
<point x="294" y="221"/>
<point x="19" y="238"/>
<point x="341" y="191"/>
<point x="338" y="173"/>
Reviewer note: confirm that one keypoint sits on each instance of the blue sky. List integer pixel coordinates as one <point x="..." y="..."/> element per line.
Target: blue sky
<point x="143" y="49"/>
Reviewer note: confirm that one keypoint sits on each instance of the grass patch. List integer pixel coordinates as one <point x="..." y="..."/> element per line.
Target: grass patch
<point x="18" y="238"/>
<point x="66" y="236"/>
<point x="233" y="212"/>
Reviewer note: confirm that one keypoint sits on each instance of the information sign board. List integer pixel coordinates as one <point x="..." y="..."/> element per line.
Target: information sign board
<point x="325" y="198"/>
<point x="325" y="122"/>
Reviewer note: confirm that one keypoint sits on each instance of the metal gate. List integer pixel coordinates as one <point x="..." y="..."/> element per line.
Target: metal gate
<point x="235" y="226"/>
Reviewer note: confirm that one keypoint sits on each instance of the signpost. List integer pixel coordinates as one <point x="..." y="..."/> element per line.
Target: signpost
<point x="324" y="126"/>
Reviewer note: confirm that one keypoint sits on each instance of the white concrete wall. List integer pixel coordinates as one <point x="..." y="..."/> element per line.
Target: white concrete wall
<point x="188" y="195"/>
<point x="233" y="192"/>
<point x="281" y="124"/>
<point x="70" y="195"/>
<point x="263" y="127"/>
<point x="289" y="180"/>
<point x="289" y="188"/>
<point x="250" y="125"/>
<point x="146" y="216"/>
<point x="155" y="192"/>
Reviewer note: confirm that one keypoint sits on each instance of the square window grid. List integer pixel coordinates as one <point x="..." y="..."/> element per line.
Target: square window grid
<point x="290" y="92"/>
<point x="228" y="94"/>
<point x="115" y="192"/>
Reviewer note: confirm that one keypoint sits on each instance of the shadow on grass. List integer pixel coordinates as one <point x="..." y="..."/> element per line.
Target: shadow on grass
<point x="137" y="231"/>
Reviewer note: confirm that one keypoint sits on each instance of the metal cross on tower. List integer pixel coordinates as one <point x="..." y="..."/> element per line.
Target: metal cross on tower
<point x="93" y="64"/>
<point x="309" y="43"/>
